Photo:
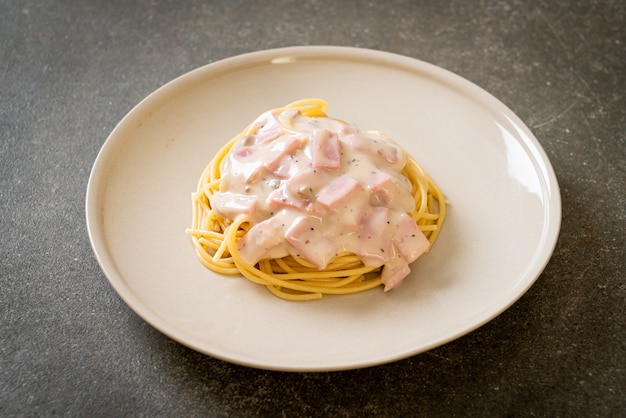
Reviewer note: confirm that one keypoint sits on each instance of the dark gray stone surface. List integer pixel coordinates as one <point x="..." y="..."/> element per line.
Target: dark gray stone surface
<point x="69" y="71"/>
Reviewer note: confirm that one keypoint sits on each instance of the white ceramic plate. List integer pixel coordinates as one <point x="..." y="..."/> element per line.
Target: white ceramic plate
<point x="502" y="224"/>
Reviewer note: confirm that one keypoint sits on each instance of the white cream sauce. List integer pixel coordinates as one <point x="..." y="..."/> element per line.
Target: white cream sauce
<point x="316" y="187"/>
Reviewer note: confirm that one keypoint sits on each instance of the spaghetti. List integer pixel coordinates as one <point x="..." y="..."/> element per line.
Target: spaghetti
<point x="307" y="205"/>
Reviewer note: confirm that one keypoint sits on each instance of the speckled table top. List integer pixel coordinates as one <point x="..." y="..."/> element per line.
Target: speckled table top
<point x="71" y="70"/>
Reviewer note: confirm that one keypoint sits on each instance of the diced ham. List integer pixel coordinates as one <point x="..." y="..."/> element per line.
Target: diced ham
<point x="314" y="209"/>
<point x="244" y="162"/>
<point x="378" y="186"/>
<point x="387" y="152"/>
<point x="351" y="212"/>
<point x="279" y="199"/>
<point x="233" y="204"/>
<point x="339" y="189"/>
<point x="408" y="239"/>
<point x="282" y="171"/>
<point x="394" y="273"/>
<point x="347" y="199"/>
<point x="375" y="237"/>
<point x="242" y="152"/>
<point x="267" y="127"/>
<point x="277" y="150"/>
<point x="382" y="151"/>
<point x="325" y="149"/>
<point x="250" y="161"/>
<point x="310" y="243"/>
<point x="286" y="117"/>
<point x="259" y="240"/>
<point x="384" y="190"/>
